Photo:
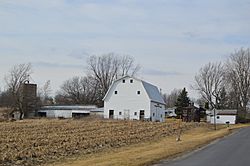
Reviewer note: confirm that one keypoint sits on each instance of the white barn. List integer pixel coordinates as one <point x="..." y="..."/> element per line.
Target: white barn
<point x="134" y="99"/>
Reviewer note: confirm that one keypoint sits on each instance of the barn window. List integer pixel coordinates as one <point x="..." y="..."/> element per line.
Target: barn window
<point x="135" y="113"/>
<point x="131" y="81"/>
<point x="138" y="92"/>
<point x="116" y="92"/>
<point x="153" y="114"/>
<point x="218" y="117"/>
<point x="123" y="81"/>
<point x="161" y="115"/>
<point x="120" y="113"/>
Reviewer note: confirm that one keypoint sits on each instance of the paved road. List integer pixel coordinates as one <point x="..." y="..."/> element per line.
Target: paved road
<point x="230" y="151"/>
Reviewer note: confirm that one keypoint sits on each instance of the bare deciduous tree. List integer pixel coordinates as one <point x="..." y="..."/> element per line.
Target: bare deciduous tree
<point x="171" y="99"/>
<point x="14" y="80"/>
<point x="72" y="88"/>
<point x="238" y="76"/>
<point x="200" y="101"/>
<point x="128" y="67"/>
<point x="44" y="93"/>
<point x="104" y="69"/>
<point x="6" y="99"/>
<point x="80" y="90"/>
<point x="107" y="68"/>
<point x="209" y="82"/>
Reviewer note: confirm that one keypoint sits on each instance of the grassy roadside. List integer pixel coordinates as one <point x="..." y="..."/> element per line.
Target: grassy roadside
<point x="151" y="152"/>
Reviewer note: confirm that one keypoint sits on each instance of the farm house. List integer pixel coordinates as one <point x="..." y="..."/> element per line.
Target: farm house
<point x="69" y="111"/>
<point x="134" y="99"/>
<point x="222" y="116"/>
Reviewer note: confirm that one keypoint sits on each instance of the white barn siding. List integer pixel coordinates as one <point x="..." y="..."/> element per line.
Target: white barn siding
<point x="131" y="101"/>
<point x="65" y="111"/>
<point x="222" y="119"/>
<point x="63" y="114"/>
<point x="129" y="104"/>
<point x="58" y="113"/>
<point x="157" y="111"/>
<point x="50" y="114"/>
<point x="209" y="118"/>
<point x="222" y="116"/>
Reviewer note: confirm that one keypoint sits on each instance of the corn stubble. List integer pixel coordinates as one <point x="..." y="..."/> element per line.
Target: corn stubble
<point x="36" y="142"/>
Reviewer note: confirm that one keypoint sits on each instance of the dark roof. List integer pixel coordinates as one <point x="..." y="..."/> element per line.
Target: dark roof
<point x="227" y="112"/>
<point x="68" y="107"/>
<point x="153" y="92"/>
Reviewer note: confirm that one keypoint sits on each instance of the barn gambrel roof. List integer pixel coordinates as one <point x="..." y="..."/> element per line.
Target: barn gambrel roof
<point x="152" y="91"/>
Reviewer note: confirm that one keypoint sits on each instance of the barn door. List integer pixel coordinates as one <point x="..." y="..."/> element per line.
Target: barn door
<point x="111" y="114"/>
<point x="142" y="114"/>
<point x="126" y="114"/>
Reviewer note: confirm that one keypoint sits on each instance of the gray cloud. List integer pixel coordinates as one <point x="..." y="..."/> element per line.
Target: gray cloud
<point x="156" y="72"/>
<point x="179" y="32"/>
<point x="56" y="65"/>
<point x="190" y="34"/>
<point x="79" y="54"/>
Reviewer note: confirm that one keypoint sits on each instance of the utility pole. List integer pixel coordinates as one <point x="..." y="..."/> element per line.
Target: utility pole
<point x="214" y="119"/>
<point x="179" y="131"/>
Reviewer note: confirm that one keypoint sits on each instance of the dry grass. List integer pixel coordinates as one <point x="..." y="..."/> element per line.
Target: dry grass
<point x="35" y="142"/>
<point x="151" y="152"/>
<point x="3" y="112"/>
<point x="4" y="109"/>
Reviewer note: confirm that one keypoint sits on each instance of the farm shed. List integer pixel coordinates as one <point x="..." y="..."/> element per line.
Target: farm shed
<point x="134" y="99"/>
<point x="65" y="111"/>
<point x="222" y="116"/>
<point x="193" y="112"/>
<point x="97" y="112"/>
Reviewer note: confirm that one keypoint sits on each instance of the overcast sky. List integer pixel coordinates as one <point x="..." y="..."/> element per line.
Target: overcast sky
<point x="170" y="39"/>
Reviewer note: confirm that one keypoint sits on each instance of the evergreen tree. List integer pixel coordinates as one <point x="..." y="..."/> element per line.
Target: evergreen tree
<point x="182" y="101"/>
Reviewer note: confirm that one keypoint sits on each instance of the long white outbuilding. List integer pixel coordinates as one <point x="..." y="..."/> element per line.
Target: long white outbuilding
<point x="222" y="116"/>
<point x="67" y="111"/>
